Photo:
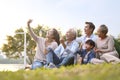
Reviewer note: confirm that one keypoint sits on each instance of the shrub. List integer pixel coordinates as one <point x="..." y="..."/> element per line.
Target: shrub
<point x="117" y="46"/>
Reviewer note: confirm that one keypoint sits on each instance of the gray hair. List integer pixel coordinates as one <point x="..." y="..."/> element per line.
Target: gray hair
<point x="73" y="31"/>
<point x="104" y="29"/>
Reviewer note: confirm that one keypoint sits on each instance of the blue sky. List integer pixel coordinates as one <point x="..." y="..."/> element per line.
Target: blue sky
<point x="58" y="13"/>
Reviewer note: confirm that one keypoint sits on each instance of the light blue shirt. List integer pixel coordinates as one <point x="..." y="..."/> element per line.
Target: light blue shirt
<point x="84" y="38"/>
<point x="72" y="47"/>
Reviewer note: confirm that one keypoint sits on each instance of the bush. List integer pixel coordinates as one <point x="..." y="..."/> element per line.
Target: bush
<point x="117" y="46"/>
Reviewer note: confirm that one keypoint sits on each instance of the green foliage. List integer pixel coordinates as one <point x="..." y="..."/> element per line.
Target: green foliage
<point x="79" y="32"/>
<point x="117" y="45"/>
<point x="77" y="72"/>
<point x="15" y="44"/>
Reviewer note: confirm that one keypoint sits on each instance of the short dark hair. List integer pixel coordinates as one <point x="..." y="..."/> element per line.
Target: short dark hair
<point x="90" y="42"/>
<point x="92" y="26"/>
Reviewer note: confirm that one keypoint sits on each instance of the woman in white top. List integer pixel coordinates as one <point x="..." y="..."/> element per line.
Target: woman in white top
<point x="51" y="40"/>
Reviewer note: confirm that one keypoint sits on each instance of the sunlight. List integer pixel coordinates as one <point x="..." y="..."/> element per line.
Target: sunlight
<point x="15" y="14"/>
<point x="63" y="31"/>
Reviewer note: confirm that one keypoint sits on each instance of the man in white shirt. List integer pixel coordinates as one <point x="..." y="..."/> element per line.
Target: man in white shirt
<point x="88" y="30"/>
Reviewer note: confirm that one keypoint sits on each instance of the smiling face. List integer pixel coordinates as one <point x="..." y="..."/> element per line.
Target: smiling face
<point x="102" y="31"/>
<point x="87" y="29"/>
<point x="70" y="35"/>
<point x="50" y="34"/>
<point x="53" y="34"/>
<point x="88" y="47"/>
<point x="99" y="32"/>
<point x="89" y="44"/>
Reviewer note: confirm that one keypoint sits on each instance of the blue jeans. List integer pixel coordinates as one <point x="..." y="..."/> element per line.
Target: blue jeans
<point x="68" y="60"/>
<point x="62" y="61"/>
<point x="51" y="57"/>
<point x="37" y="64"/>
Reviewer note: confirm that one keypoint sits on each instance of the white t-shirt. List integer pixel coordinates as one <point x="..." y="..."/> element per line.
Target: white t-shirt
<point x="83" y="39"/>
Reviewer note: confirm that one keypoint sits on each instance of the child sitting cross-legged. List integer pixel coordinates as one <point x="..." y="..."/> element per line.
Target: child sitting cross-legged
<point x="88" y="53"/>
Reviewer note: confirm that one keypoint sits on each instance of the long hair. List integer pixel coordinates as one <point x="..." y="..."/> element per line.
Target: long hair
<point x="56" y="36"/>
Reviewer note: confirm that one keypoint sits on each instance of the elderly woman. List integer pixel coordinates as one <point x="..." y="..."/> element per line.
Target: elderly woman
<point x="105" y="49"/>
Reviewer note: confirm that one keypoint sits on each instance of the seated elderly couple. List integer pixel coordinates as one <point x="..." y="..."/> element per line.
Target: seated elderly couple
<point x="52" y="52"/>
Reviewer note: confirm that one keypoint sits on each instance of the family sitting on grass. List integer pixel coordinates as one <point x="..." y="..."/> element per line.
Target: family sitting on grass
<point x="53" y="52"/>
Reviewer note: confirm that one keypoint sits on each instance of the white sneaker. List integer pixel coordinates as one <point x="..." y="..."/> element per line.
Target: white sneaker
<point x="46" y="66"/>
<point x="51" y="65"/>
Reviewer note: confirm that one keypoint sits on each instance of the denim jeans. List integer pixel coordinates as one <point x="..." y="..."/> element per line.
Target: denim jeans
<point x="37" y="64"/>
<point x="68" y="60"/>
<point x="51" y="57"/>
<point x="59" y="61"/>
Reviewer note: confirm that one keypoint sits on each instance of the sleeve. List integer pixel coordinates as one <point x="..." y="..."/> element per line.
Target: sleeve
<point x="74" y="47"/>
<point x="58" y="49"/>
<point x="34" y="36"/>
<point x="91" y="56"/>
<point x="110" y="46"/>
<point x="53" y="45"/>
<point x="79" y="39"/>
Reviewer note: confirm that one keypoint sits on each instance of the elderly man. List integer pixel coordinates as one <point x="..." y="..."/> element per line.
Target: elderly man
<point x="63" y="54"/>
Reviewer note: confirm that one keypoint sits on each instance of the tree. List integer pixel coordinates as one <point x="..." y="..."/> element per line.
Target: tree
<point x="15" y="44"/>
<point x="79" y="32"/>
<point x="118" y="38"/>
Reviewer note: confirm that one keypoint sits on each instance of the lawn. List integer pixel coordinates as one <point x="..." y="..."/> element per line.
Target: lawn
<point x="77" y="72"/>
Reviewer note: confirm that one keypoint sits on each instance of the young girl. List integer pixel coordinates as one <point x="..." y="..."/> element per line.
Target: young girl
<point x="51" y="41"/>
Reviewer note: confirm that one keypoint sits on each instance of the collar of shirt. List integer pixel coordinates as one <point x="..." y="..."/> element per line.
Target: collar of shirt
<point x="68" y="44"/>
<point x="86" y="38"/>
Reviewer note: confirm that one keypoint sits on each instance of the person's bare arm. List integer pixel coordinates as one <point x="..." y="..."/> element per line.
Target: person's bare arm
<point x="34" y="36"/>
<point x="62" y="41"/>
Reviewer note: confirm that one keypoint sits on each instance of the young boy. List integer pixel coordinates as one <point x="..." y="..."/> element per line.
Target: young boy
<point x="88" y="53"/>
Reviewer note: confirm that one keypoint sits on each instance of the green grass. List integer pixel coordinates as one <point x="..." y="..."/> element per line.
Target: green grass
<point x="77" y="72"/>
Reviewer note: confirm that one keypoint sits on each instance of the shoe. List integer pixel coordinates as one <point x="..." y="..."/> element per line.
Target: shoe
<point x="27" y="67"/>
<point x="51" y="65"/>
<point x="46" y="66"/>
